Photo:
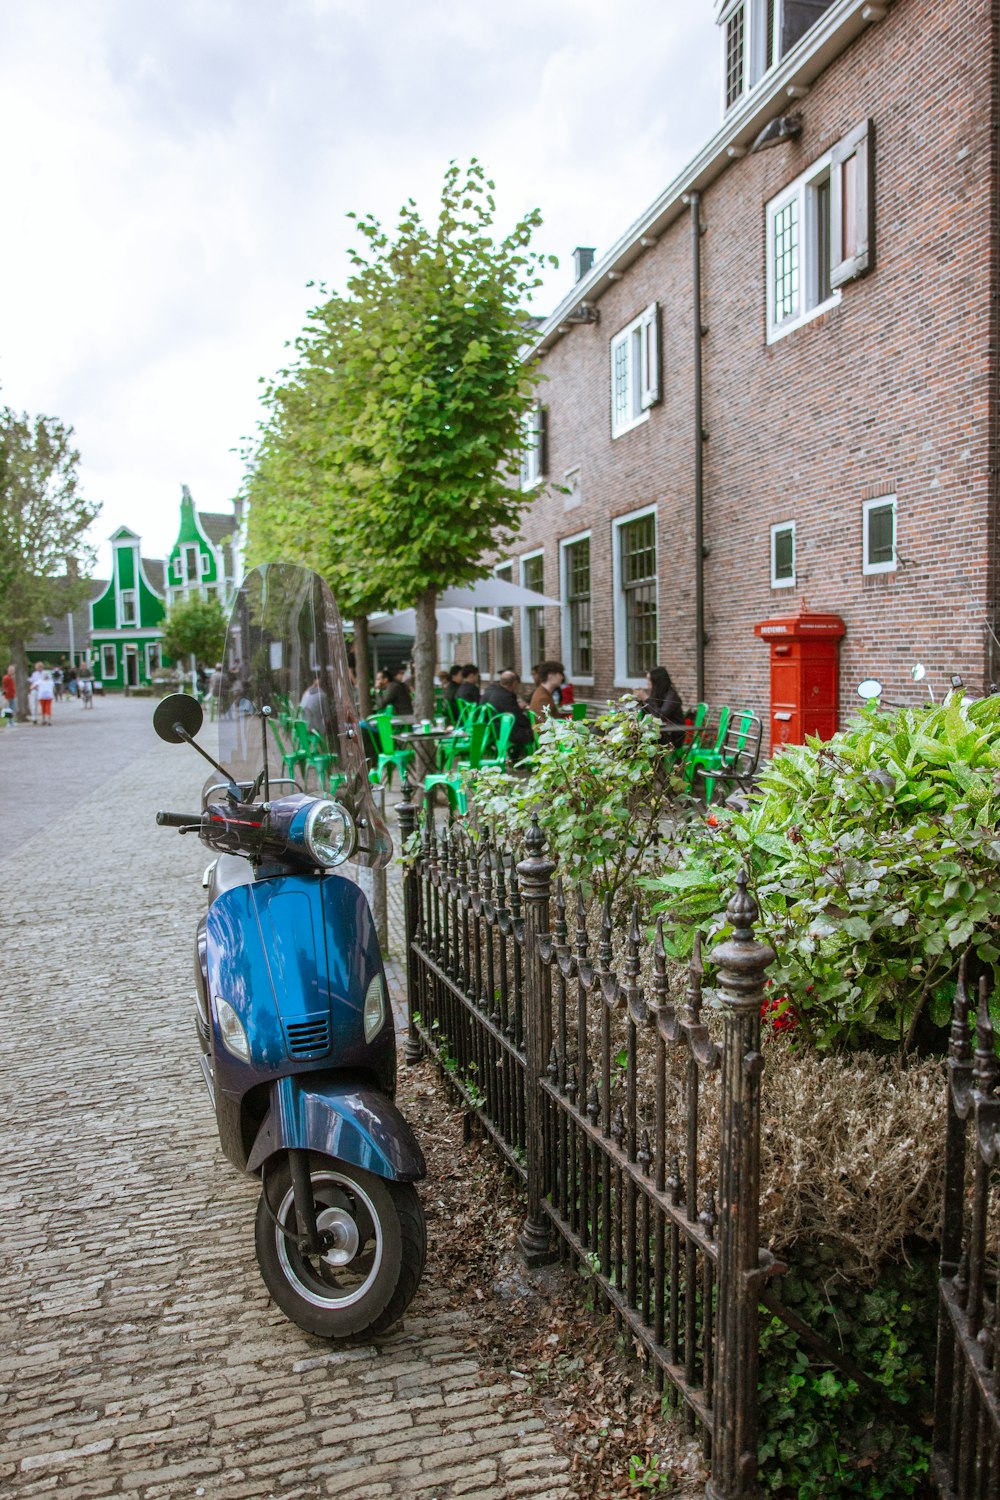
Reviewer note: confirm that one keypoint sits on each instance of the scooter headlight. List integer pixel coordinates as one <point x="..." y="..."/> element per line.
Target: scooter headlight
<point x="234" y="1038"/>
<point x="374" y="1008"/>
<point x="330" y="833"/>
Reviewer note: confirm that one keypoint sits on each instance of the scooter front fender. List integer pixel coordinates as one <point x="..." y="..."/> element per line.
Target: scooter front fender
<point x="340" y="1117"/>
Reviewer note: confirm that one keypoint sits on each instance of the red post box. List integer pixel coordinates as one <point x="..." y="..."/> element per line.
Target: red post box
<point x="805" y="675"/>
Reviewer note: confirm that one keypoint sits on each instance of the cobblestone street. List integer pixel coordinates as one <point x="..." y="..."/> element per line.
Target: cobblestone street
<point x="140" y="1354"/>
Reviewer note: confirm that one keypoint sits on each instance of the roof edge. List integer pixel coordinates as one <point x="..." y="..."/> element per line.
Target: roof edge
<point x="822" y="44"/>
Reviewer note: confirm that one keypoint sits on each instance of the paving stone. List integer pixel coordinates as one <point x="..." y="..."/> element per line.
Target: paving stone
<point x="141" y="1356"/>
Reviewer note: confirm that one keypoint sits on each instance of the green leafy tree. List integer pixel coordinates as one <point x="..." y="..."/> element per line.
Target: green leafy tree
<point x="195" y="627"/>
<point x="394" y="431"/>
<point x="43" y="520"/>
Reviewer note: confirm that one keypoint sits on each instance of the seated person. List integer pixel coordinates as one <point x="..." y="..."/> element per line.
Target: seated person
<point x="469" y="689"/>
<point x="551" y="675"/>
<point x="662" y="700"/>
<point x="502" y="695"/>
<point x="395" y="695"/>
<point x="450" y="691"/>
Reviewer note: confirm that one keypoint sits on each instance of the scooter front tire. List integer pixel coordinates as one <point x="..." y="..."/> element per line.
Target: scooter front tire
<point x="365" y="1282"/>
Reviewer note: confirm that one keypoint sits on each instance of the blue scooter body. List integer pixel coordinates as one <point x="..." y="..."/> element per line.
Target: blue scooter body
<point x="294" y="955"/>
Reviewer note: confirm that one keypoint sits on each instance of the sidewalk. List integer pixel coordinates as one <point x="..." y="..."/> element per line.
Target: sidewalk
<point x="139" y="1353"/>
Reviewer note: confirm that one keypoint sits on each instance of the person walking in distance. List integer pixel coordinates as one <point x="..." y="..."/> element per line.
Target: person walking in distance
<point x="46" y="691"/>
<point x="85" y="682"/>
<point x="33" y="682"/>
<point x="10" y="696"/>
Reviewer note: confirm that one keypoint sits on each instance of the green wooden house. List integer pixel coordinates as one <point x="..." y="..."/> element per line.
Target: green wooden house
<point x="126" y="620"/>
<point x="205" y="556"/>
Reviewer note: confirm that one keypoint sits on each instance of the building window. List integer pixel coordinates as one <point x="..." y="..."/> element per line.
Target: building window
<point x="500" y="647"/>
<point x="819" y="234"/>
<point x="533" y="441"/>
<point x="751" y="42"/>
<point x="191" y="567"/>
<point x="577" y="628"/>
<point x="635" y="371"/>
<point x="635" y="597"/>
<point x="783" y="555"/>
<point x="128" y="606"/>
<point x="109" y="662"/>
<point x="878" y="530"/>
<point x="533" y="616"/>
<point x="176" y="569"/>
<point x="153" y="658"/>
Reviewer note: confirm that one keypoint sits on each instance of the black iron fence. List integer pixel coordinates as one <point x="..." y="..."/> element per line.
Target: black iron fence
<point x="967" y="1395"/>
<point x="632" y="1116"/>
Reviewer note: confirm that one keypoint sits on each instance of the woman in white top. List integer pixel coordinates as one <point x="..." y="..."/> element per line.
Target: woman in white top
<point x="33" y="682"/>
<point x="45" y="693"/>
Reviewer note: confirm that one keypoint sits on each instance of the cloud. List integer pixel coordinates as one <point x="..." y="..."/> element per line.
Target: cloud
<point x="175" y="175"/>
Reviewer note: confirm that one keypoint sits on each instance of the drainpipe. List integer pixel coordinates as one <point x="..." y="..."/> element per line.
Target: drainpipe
<point x="694" y="199"/>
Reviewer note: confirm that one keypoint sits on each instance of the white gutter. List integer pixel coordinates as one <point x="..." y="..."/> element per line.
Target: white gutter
<point x="789" y="80"/>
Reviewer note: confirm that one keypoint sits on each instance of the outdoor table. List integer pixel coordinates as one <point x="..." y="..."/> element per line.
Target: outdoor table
<point x="432" y="733"/>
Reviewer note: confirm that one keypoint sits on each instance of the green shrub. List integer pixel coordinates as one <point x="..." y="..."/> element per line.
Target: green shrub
<point x="820" y="1436"/>
<point x="874" y="860"/>
<point x="598" y="789"/>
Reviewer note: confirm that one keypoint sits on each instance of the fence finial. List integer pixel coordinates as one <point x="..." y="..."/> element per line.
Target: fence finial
<point x="535" y="841"/>
<point x="742" y="911"/>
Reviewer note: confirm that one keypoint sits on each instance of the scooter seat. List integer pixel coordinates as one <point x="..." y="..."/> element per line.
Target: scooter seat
<point x="228" y="872"/>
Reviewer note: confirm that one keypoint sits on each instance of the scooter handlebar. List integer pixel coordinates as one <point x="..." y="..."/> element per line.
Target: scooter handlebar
<point x="178" y="820"/>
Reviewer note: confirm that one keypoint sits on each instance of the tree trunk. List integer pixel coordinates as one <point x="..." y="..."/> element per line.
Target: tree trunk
<point x="19" y="653"/>
<point x="424" y="662"/>
<point x="362" y="665"/>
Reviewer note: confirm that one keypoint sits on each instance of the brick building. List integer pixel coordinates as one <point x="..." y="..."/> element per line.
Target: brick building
<point x="826" y="418"/>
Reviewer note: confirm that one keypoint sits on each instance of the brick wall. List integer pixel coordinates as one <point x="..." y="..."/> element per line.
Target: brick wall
<point x="890" y="391"/>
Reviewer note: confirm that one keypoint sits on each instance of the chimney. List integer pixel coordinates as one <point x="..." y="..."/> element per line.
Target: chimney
<point x="583" y="259"/>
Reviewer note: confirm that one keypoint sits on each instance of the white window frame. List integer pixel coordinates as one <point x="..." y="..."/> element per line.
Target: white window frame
<point x="877" y="502"/>
<point x="755" y="48"/>
<point x="124" y="594"/>
<point x="186" y="551"/>
<point x="641" y="338"/>
<point x="525" y="634"/>
<point x="531" y="448"/>
<point x="150" y="647"/>
<point x="776" y="582"/>
<point x="621" y="644"/>
<point x="567" y="646"/>
<point x="801" y="191"/>
<point x="488" y="638"/>
<point x="105" y="648"/>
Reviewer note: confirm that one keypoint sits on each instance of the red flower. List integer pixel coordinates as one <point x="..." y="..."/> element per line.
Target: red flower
<point x="779" y="1012"/>
<point x="712" y="821"/>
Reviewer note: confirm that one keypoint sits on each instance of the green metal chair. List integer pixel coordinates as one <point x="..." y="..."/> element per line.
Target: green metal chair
<point x="578" y="711"/>
<point x="736" y="760"/>
<point x="295" y="756"/>
<point x="390" y="758"/>
<point x="497" y="745"/>
<point x="701" y="756"/>
<point x="457" y="749"/>
<point x="452" y="780"/>
<point x="692" y="740"/>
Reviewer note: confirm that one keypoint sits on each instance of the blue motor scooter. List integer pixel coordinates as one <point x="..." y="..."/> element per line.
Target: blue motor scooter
<point x="293" y="1017"/>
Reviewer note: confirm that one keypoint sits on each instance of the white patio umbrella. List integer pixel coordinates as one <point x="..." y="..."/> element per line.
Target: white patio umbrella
<point x="493" y="593"/>
<point x="449" y="622"/>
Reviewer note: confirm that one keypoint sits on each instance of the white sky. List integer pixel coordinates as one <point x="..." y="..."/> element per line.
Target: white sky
<point x="174" y="175"/>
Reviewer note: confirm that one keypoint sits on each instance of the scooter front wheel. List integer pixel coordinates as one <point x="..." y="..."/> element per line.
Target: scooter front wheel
<point x="366" y="1276"/>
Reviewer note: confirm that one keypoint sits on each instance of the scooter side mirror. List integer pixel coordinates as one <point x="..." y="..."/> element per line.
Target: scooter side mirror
<point x="177" y="709"/>
<point x="870" y="688"/>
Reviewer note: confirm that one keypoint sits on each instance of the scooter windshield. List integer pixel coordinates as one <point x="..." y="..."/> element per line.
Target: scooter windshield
<point x="285" y="652"/>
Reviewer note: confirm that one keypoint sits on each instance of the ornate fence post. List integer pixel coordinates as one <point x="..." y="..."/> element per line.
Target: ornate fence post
<point x="740" y="965"/>
<point x="407" y="812"/>
<point x="535" y="873"/>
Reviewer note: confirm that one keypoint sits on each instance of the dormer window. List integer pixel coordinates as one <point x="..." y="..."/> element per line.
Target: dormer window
<point x="756" y="34"/>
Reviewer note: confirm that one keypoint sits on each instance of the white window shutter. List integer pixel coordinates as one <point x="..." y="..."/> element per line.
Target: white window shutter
<point x="852" y="200"/>
<point x="649" y="362"/>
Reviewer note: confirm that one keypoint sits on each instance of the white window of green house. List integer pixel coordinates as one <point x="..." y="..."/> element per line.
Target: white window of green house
<point x="192" y="570"/>
<point x="819" y="235"/>
<point x="577" y="635"/>
<point x="152" y="658"/>
<point x="635" y="596"/>
<point x="635" y="371"/>
<point x="128" y="607"/>
<point x="533" y="616"/>
<point x="878" y="531"/>
<point x="533" y="436"/>
<point x="783" y="555"/>
<point x="109" y="662"/>
<point x="500" y="643"/>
